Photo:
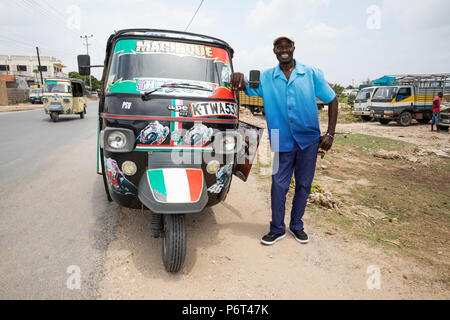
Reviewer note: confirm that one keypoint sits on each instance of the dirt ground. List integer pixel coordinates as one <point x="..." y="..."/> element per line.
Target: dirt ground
<point x="225" y="259"/>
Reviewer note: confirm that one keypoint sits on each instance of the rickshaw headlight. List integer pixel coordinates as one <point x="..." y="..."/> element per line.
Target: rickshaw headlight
<point x="117" y="140"/>
<point x="129" y="168"/>
<point x="212" y="166"/>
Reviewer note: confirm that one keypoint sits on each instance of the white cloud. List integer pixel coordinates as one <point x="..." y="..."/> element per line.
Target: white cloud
<point x="283" y="13"/>
<point x="417" y="14"/>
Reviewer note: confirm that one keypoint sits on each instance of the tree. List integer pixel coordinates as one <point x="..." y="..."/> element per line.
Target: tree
<point x="95" y="83"/>
<point x="35" y="71"/>
<point x="337" y="89"/>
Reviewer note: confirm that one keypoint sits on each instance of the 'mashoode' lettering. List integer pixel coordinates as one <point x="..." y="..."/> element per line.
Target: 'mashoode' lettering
<point x="213" y="109"/>
<point x="179" y="48"/>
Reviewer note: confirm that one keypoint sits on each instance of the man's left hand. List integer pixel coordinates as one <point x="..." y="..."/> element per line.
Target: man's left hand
<point x="325" y="142"/>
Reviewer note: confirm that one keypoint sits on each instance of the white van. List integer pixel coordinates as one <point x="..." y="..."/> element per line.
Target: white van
<point x="363" y="103"/>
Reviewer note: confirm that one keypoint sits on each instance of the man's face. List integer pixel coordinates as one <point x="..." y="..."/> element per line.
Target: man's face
<point x="284" y="50"/>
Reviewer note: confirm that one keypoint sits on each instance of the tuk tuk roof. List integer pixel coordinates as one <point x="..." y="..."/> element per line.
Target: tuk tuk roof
<point x="170" y="35"/>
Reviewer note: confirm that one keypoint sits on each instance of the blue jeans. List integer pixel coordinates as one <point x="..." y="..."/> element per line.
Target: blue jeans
<point x="436" y="118"/>
<point x="303" y="164"/>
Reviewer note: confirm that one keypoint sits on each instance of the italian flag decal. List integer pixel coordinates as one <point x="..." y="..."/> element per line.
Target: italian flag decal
<point x="176" y="185"/>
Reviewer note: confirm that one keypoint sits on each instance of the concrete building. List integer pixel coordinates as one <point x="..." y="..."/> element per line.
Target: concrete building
<point x="24" y="66"/>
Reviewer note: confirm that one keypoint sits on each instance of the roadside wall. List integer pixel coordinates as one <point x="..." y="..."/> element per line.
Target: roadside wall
<point x="3" y="93"/>
<point x="16" y="96"/>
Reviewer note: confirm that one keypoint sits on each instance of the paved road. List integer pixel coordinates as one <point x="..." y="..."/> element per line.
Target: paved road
<point x="53" y="210"/>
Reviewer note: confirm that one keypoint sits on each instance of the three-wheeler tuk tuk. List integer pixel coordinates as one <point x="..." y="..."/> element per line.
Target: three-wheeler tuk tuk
<point x="63" y="97"/>
<point x="169" y="135"/>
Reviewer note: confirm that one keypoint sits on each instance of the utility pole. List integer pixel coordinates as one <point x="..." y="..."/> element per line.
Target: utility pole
<point x="39" y="68"/>
<point x="86" y="38"/>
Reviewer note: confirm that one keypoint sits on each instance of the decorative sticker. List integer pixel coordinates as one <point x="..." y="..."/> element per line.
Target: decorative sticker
<point x="153" y="134"/>
<point x="176" y="185"/>
<point x="198" y="135"/>
<point x="116" y="179"/>
<point x="222" y="177"/>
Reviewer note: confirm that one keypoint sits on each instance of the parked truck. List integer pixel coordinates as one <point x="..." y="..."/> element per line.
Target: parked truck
<point x="411" y="97"/>
<point x="445" y="114"/>
<point x="363" y="103"/>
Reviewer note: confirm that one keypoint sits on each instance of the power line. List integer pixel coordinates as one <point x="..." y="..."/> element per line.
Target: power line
<point x="34" y="7"/>
<point x="194" y="15"/>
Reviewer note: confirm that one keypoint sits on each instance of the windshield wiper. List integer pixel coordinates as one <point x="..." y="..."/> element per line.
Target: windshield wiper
<point x="182" y="85"/>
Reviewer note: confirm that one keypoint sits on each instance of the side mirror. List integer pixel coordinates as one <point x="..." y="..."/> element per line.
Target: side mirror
<point x="84" y="63"/>
<point x="254" y="79"/>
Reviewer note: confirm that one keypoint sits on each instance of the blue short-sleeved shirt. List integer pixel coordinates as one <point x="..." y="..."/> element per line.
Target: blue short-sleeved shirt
<point x="291" y="106"/>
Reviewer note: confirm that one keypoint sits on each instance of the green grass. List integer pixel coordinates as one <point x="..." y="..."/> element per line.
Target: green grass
<point x="414" y="194"/>
<point x="344" y="115"/>
<point x="364" y="142"/>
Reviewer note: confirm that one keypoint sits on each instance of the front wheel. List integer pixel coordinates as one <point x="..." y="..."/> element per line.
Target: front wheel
<point x="83" y="113"/>
<point x="54" y="116"/>
<point x="405" y="119"/>
<point x="384" y="121"/>
<point x="366" y="118"/>
<point x="174" y="242"/>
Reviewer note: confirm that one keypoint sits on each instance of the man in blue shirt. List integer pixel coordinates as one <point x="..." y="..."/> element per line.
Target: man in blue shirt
<point x="289" y="92"/>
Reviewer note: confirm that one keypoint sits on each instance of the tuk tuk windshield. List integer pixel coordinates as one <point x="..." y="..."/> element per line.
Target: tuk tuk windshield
<point x="57" y="88"/>
<point x="140" y="66"/>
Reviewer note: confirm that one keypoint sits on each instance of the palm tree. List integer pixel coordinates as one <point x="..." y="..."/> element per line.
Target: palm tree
<point x="35" y="71"/>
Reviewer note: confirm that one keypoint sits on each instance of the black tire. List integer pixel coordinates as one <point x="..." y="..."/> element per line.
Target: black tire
<point x="83" y="113"/>
<point x="405" y="119"/>
<point x="263" y="111"/>
<point x="174" y="242"/>
<point x="366" y="118"/>
<point x="54" y="116"/>
<point x="384" y="121"/>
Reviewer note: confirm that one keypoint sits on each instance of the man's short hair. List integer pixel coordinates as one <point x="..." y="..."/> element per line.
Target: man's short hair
<point x="440" y="94"/>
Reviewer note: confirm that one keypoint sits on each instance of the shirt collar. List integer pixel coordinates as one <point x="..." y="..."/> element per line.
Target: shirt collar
<point x="299" y="69"/>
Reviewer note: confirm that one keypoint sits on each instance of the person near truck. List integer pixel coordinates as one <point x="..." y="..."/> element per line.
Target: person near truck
<point x="289" y="91"/>
<point x="436" y="111"/>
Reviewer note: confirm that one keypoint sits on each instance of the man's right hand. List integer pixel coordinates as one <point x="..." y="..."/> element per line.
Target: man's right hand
<point x="237" y="81"/>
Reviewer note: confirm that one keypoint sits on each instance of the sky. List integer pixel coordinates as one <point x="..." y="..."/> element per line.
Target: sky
<point x="349" y="40"/>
